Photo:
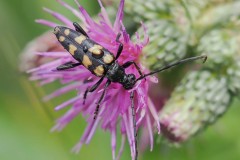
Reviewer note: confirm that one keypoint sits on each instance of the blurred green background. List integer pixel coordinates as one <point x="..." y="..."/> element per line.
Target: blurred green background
<point x="25" y="121"/>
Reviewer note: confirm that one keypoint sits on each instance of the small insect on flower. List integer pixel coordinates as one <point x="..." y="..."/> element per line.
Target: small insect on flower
<point x="102" y="63"/>
<point x="106" y="51"/>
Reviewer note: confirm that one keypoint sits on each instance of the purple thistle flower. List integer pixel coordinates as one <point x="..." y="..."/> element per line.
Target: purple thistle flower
<point x="115" y="109"/>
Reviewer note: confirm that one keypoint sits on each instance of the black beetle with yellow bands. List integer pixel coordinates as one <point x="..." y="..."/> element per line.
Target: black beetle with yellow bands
<point x="102" y="63"/>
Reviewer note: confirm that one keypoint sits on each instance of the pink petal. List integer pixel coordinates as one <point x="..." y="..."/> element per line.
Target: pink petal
<point x="74" y="11"/>
<point x="60" y="17"/>
<point x="67" y="103"/>
<point x="149" y="126"/>
<point x="62" y="90"/>
<point x="121" y="147"/>
<point x="119" y="16"/>
<point x="46" y="23"/>
<point x="113" y="140"/>
<point x="87" y="19"/>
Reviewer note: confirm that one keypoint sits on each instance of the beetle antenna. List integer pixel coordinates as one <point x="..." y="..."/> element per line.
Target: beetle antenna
<point x="203" y="57"/>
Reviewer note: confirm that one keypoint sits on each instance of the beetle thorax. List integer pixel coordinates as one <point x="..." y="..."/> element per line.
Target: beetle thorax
<point x="116" y="73"/>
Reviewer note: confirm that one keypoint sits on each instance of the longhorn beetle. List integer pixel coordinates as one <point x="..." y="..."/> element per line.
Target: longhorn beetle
<point x="102" y="63"/>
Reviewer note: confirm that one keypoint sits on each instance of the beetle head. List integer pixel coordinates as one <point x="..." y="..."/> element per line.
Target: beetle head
<point x="129" y="82"/>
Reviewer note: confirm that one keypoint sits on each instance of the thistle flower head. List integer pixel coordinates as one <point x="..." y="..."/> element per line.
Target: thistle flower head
<point x="115" y="108"/>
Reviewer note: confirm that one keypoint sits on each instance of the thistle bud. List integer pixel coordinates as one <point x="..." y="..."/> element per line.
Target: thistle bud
<point x="167" y="43"/>
<point x="197" y="101"/>
<point x="221" y="46"/>
<point x="233" y="74"/>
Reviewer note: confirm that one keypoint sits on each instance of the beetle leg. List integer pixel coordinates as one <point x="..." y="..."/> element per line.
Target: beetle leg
<point x="68" y="65"/>
<point x="79" y="29"/>
<point x="134" y="124"/>
<point x="120" y="47"/>
<point x="129" y="63"/>
<point x="117" y="38"/>
<point x="93" y="88"/>
<point x="101" y="98"/>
